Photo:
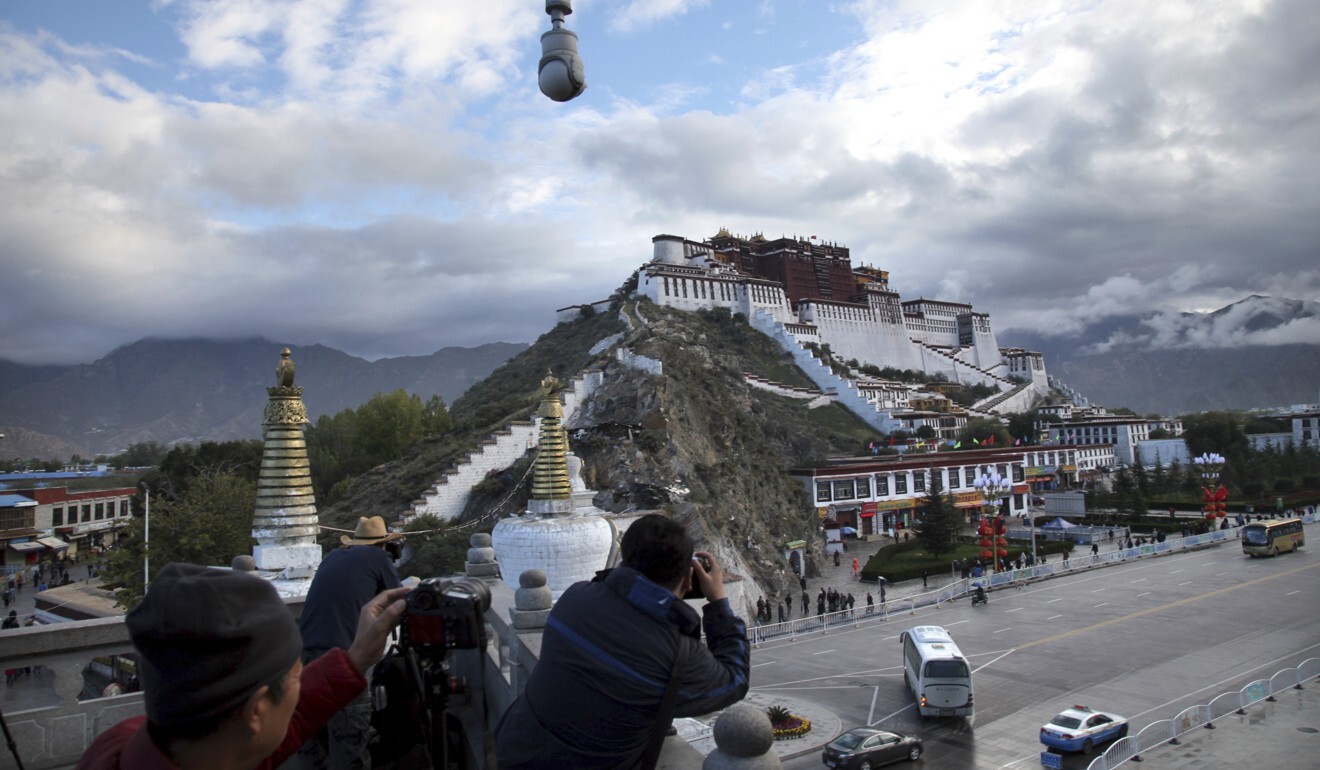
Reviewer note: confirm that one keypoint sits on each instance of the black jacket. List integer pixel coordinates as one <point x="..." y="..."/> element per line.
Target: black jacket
<point x="606" y="655"/>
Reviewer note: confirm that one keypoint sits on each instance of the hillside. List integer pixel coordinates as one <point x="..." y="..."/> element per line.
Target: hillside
<point x="191" y="390"/>
<point x="697" y="442"/>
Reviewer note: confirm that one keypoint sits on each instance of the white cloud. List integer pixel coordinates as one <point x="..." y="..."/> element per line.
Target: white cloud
<point x="637" y="14"/>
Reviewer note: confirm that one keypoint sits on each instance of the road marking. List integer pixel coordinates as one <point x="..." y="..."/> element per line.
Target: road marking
<point x="1217" y="574"/>
<point x="956" y="622"/>
<point x="1052" y="601"/>
<point x="1052" y="617"/>
<point x="1170" y="605"/>
<point x="1138" y="580"/>
<point x="767" y="663"/>
<point x="871" y="713"/>
<point x="891" y="716"/>
<point x="1143" y="593"/>
<point x="889" y="638"/>
<point x="1102" y="604"/>
<point x="1003" y="630"/>
<point x="1185" y="583"/>
<point x="822" y="652"/>
<point x="1097" y="590"/>
<point x="1015" y="609"/>
<point x="1175" y="572"/>
<point x="1290" y="593"/>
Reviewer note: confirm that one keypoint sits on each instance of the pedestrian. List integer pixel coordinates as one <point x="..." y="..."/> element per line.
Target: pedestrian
<point x="1095" y="550"/>
<point x="870" y="603"/>
<point x="806" y="604"/>
<point x="782" y="617"/>
<point x="925" y="575"/>
<point x="348" y="578"/>
<point x="802" y="582"/>
<point x="836" y="558"/>
<point x="820" y="604"/>
<point x="760" y="608"/>
<point x="882" y="591"/>
<point x="11" y="621"/>
<point x="905" y="536"/>
<point x="852" y="602"/>
<point x="788" y="605"/>
<point x="856" y="566"/>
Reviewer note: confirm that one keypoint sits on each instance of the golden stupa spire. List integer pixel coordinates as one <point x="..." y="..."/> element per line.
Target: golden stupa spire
<point x="550" y="473"/>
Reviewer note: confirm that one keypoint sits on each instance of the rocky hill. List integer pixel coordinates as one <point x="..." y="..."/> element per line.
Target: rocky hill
<point x="697" y="442"/>
<point x="195" y="389"/>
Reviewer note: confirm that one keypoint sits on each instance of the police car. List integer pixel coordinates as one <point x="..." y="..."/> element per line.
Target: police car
<point x="1082" y="729"/>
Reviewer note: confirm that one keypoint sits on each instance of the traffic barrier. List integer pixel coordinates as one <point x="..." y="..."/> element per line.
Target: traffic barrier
<point x="1165" y="731"/>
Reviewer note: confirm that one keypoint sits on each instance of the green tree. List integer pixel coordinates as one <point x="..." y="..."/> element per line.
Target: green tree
<point x="209" y="523"/>
<point x="979" y="430"/>
<point x="437" y="549"/>
<point x="1219" y="432"/>
<point x="939" y="523"/>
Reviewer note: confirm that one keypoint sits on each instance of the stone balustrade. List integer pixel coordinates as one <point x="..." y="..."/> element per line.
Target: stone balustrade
<point x="54" y="736"/>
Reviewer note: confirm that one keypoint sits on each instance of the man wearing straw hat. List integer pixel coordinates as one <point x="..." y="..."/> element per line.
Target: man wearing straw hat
<point x="347" y="579"/>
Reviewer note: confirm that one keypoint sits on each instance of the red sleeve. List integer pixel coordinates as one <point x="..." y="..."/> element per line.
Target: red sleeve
<point x="328" y="684"/>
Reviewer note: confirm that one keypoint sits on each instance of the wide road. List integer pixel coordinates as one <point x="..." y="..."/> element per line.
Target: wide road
<point x="1145" y="639"/>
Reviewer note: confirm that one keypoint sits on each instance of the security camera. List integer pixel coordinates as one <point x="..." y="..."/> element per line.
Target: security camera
<point x="560" y="73"/>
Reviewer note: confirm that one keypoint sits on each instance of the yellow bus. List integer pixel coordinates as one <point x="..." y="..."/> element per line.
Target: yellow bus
<point x="1269" y="538"/>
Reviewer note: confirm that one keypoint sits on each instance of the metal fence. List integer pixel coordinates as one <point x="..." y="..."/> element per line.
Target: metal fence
<point x="1171" y="731"/>
<point x="907" y="605"/>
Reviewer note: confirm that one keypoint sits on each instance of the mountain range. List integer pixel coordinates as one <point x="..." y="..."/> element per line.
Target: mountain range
<point x="1259" y="352"/>
<point x="170" y="391"/>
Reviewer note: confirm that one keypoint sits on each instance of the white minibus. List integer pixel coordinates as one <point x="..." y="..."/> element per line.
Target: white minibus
<point x="936" y="672"/>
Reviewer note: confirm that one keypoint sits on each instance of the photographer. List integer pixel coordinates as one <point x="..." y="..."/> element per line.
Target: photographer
<point x="222" y="679"/>
<point x="346" y="580"/>
<point x="622" y="655"/>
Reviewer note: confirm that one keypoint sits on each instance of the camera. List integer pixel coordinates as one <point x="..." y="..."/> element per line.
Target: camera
<point x="695" y="591"/>
<point x="560" y="74"/>
<point x="445" y="614"/>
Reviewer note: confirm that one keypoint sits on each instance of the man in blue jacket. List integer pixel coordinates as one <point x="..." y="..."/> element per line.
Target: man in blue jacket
<point x="609" y="648"/>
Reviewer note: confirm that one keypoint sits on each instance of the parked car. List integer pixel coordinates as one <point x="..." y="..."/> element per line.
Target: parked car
<point x="862" y="748"/>
<point x="1082" y="729"/>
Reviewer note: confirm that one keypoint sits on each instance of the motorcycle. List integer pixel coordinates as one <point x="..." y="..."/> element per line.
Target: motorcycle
<point x="980" y="598"/>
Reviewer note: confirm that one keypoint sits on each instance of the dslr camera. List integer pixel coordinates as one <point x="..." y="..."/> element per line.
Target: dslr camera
<point x="445" y="614"/>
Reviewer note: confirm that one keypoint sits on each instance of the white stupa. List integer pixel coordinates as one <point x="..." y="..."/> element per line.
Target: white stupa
<point x="562" y="533"/>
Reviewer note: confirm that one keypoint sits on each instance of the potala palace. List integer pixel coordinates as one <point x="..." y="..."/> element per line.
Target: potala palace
<point x="802" y="292"/>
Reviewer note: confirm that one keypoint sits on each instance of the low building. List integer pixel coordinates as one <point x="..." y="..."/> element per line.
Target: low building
<point x="876" y="495"/>
<point x="1050" y="467"/>
<point x="64" y="522"/>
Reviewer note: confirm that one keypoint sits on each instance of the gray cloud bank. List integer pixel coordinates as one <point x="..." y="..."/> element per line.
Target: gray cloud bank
<point x="1055" y="164"/>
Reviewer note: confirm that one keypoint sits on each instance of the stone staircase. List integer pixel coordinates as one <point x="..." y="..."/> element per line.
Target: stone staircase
<point x="448" y="496"/>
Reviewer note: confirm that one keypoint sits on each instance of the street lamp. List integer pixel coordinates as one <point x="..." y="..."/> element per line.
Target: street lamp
<point x="993" y="489"/>
<point x="1211" y="465"/>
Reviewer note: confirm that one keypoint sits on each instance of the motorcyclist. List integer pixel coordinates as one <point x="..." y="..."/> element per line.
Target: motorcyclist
<point x="980" y="596"/>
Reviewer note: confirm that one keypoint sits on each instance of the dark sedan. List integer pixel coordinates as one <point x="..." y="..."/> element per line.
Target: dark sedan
<point x="863" y="748"/>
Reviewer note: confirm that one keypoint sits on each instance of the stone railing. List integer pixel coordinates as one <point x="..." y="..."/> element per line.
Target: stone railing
<point x="53" y="736"/>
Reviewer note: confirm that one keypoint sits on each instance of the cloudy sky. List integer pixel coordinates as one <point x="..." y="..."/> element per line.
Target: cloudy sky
<point x="383" y="176"/>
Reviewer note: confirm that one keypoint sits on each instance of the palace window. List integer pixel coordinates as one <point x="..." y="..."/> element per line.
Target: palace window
<point x="900" y="484"/>
<point x="843" y="490"/>
<point x="123" y="507"/>
<point x="87" y="512"/>
<point x="57" y="516"/>
<point x="969" y="476"/>
<point x="823" y="492"/>
<point x="881" y="486"/>
<point x="919" y="482"/>
<point x="1018" y="473"/>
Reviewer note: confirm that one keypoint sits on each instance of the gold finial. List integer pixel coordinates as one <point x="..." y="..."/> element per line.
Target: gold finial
<point x="284" y="372"/>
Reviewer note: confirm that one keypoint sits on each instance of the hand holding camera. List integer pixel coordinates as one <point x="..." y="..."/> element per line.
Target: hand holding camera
<point x="707" y="577"/>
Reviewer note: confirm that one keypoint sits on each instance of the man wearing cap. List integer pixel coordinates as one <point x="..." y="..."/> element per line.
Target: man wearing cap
<point x="346" y="580"/>
<point x="224" y="686"/>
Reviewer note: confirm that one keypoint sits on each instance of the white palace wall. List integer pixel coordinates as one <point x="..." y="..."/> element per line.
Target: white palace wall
<point x="855" y="332"/>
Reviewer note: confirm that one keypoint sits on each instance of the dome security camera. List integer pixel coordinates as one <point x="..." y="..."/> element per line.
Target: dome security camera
<point x="560" y="74"/>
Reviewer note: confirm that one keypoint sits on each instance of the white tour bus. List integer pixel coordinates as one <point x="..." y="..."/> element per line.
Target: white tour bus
<point x="936" y="672"/>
